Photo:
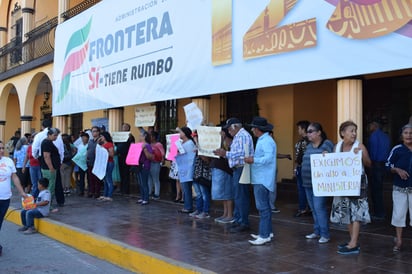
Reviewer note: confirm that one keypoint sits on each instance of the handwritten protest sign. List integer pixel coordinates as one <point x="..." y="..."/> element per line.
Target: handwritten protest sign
<point x="171" y="148"/>
<point x="145" y="116"/>
<point x="336" y="174"/>
<point x="100" y="162"/>
<point x="120" y="136"/>
<point x="209" y="140"/>
<point x="133" y="156"/>
<point x="194" y="116"/>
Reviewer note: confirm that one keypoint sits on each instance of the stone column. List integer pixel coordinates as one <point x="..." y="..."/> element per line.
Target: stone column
<point x="27" y="14"/>
<point x="3" y="131"/>
<point x="3" y="36"/>
<point x="115" y="119"/>
<point x="60" y="122"/>
<point x="63" y="6"/>
<point x="3" y="41"/>
<point x="203" y="104"/>
<point x="350" y="103"/>
<point x="26" y="124"/>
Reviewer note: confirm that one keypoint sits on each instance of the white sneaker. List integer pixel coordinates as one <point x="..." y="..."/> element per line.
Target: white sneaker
<point x="323" y="240"/>
<point x="255" y="236"/>
<point x="312" y="236"/>
<point x="260" y="241"/>
<point x="194" y="213"/>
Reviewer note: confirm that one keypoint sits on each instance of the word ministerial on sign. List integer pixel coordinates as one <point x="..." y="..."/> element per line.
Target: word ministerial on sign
<point x="336" y="174"/>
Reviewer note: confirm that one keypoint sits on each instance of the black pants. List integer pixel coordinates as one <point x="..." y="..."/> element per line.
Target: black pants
<point x="124" y="171"/>
<point x="4" y="205"/>
<point x="58" y="192"/>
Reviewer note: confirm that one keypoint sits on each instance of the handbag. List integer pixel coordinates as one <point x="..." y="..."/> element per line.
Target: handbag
<point x="202" y="173"/>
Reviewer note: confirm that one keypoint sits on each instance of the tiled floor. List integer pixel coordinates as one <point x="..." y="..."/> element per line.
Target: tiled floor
<point x="159" y="228"/>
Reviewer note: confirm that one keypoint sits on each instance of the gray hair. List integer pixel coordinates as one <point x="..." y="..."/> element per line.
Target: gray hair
<point x="406" y="126"/>
<point x="20" y="143"/>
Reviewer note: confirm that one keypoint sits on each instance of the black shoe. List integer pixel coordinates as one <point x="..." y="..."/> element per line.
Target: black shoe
<point x="240" y="228"/>
<point x="345" y="250"/>
<point x="185" y="211"/>
<point x="275" y="210"/>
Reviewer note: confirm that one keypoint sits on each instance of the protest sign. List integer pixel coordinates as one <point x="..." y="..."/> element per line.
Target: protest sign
<point x="120" y="136"/>
<point x="80" y="157"/>
<point x="171" y="148"/>
<point x="133" y="156"/>
<point x="194" y="116"/>
<point x="145" y="116"/>
<point x="336" y="174"/>
<point x="100" y="162"/>
<point x="209" y="140"/>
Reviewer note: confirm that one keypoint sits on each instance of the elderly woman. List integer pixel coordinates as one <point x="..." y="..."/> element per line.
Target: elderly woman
<point x="399" y="163"/>
<point x="7" y="174"/>
<point x="352" y="210"/>
<point x="318" y="143"/>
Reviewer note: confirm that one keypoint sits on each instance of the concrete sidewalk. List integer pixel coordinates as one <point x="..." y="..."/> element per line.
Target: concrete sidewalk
<point x="157" y="239"/>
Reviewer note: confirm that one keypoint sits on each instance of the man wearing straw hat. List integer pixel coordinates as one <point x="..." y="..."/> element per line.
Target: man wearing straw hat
<point x="263" y="172"/>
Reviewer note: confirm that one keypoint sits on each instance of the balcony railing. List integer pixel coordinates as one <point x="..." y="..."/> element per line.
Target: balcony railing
<point x="17" y="57"/>
<point x="40" y="42"/>
<point x="79" y="8"/>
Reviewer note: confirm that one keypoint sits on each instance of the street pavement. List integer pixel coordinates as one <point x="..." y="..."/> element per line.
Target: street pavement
<point x="37" y="253"/>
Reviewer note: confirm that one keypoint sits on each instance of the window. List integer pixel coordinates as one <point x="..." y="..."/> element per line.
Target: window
<point x="166" y="113"/>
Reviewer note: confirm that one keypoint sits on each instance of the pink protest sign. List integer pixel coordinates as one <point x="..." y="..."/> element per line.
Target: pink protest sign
<point x="133" y="155"/>
<point x="171" y="148"/>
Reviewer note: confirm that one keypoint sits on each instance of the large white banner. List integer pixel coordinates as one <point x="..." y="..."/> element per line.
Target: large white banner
<point x="153" y="50"/>
<point x="336" y="174"/>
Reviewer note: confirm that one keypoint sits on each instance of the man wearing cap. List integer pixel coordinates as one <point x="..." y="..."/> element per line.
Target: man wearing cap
<point x="263" y="172"/>
<point x="242" y="141"/>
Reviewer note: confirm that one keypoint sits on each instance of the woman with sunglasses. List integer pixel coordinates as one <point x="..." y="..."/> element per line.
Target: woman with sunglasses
<point x="318" y="143"/>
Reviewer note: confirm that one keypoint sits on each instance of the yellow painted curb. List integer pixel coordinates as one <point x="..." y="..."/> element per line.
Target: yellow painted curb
<point x="118" y="253"/>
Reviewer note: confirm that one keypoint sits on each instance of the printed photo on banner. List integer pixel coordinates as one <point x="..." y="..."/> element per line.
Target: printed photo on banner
<point x="171" y="148"/>
<point x="145" y="116"/>
<point x="336" y="174"/>
<point x="209" y="140"/>
<point x="133" y="156"/>
<point x="194" y="116"/>
<point x="100" y="162"/>
<point x="120" y="136"/>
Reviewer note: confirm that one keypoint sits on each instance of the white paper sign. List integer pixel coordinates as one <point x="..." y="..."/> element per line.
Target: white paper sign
<point x="336" y="174"/>
<point x="120" y="136"/>
<point x="145" y="116"/>
<point x="100" y="162"/>
<point x="209" y="140"/>
<point x="194" y="116"/>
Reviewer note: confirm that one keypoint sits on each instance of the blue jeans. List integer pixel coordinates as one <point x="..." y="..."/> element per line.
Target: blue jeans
<point x="4" y="205"/>
<point x="187" y="195"/>
<point x="27" y="217"/>
<point x="319" y="213"/>
<point x="108" y="180"/>
<point x="142" y="178"/>
<point x="35" y="175"/>
<point x="303" y="202"/>
<point x="202" y="197"/>
<point x="154" y="178"/>
<point x="242" y="199"/>
<point x="262" y="199"/>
